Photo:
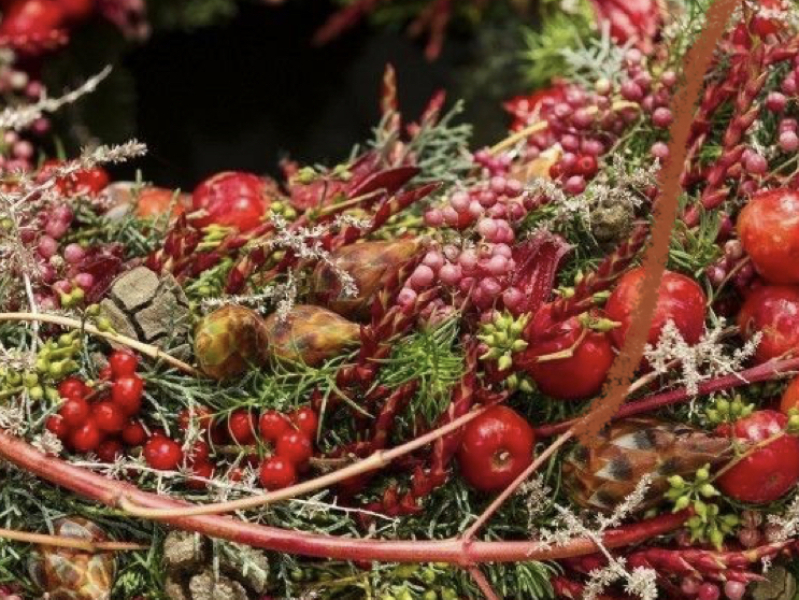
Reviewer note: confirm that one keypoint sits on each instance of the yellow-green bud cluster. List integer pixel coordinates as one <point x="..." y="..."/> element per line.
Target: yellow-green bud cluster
<point x="73" y="298"/>
<point x="283" y="209"/>
<point x="728" y="411"/>
<point x="503" y="336"/>
<point x="213" y="235"/>
<point x="792" y="426"/>
<point x="706" y="524"/>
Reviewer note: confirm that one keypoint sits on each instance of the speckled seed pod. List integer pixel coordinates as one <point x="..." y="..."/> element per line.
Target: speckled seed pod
<point x="601" y="477"/>
<point x="229" y="341"/>
<point x="369" y="264"/>
<point x="310" y="335"/>
<point x="66" y="574"/>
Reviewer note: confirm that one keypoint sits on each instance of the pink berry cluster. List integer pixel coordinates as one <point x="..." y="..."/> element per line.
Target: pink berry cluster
<point x="17" y="151"/>
<point x="693" y="587"/>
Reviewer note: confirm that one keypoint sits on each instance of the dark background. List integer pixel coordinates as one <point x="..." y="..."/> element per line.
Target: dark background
<point x="247" y="92"/>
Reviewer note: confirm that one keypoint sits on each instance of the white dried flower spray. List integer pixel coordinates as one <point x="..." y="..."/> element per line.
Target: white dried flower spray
<point x="706" y="359"/>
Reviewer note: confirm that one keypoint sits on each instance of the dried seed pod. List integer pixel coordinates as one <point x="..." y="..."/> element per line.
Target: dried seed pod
<point x="310" y="335"/>
<point x="370" y="265"/>
<point x="229" y="341"/>
<point x="67" y="574"/>
<point x="601" y="477"/>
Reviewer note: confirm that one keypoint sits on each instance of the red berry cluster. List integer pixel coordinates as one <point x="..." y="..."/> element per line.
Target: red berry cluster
<point x="291" y="436"/>
<point x="101" y="419"/>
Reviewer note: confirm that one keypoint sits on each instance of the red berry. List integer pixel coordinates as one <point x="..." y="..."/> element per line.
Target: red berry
<point x="108" y="416"/>
<point x="122" y="363"/>
<point x="272" y="425"/>
<point x="774" y="311"/>
<point x="769" y="232"/>
<point x="162" y="453"/>
<point x="126" y="393"/>
<point x="277" y="473"/>
<point x="32" y="19"/>
<point x="241" y="426"/>
<point x="496" y="448"/>
<point x="86" y="437"/>
<point x="231" y="199"/>
<point x="306" y="421"/>
<point x="134" y="434"/>
<point x="75" y="411"/>
<point x="202" y="416"/>
<point x="767" y="473"/>
<point x="57" y="426"/>
<point x="109" y="450"/>
<point x="680" y="300"/>
<point x="200" y="472"/>
<point x="295" y="447"/>
<point x="199" y="453"/>
<point x="72" y="387"/>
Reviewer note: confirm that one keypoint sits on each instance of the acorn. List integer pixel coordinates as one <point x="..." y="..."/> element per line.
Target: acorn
<point x="600" y="478"/>
<point x="229" y="341"/>
<point x="69" y="574"/>
<point x="370" y="264"/>
<point x="310" y="335"/>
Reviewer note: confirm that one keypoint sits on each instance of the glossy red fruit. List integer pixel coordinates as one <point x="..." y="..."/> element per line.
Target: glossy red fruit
<point x="231" y="199"/>
<point x="768" y="473"/>
<point x="163" y="454"/>
<point x="199" y="453"/>
<point x="126" y="393"/>
<point x="277" y="473"/>
<point x="32" y="19"/>
<point x="579" y="375"/>
<point x="109" y="417"/>
<point x="241" y="427"/>
<point x="123" y="364"/>
<point x="680" y="299"/>
<point x="768" y="228"/>
<point x="109" y="450"/>
<point x="134" y="434"/>
<point x="154" y="203"/>
<point x="86" y="437"/>
<point x="774" y="311"/>
<point x="200" y="471"/>
<point x="72" y="387"/>
<point x="202" y="416"/>
<point x="77" y="10"/>
<point x="57" y="426"/>
<point x="496" y="447"/>
<point x="88" y="182"/>
<point x="75" y="412"/>
<point x="306" y="421"/>
<point x="295" y="447"/>
<point x="272" y="425"/>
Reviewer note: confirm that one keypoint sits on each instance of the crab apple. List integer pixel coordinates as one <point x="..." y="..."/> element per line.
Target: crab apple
<point x="162" y="453"/>
<point x="763" y="474"/>
<point x="231" y="199"/>
<point x="768" y="227"/>
<point x="200" y="452"/>
<point x="272" y="425"/>
<point x="790" y="397"/>
<point x="680" y="300"/>
<point x="496" y="447"/>
<point x="241" y="426"/>
<point x="277" y="473"/>
<point x="31" y="19"/>
<point x="57" y="426"/>
<point x="200" y="473"/>
<point x="72" y="387"/>
<point x="295" y="447"/>
<point x="774" y="311"/>
<point x="572" y="363"/>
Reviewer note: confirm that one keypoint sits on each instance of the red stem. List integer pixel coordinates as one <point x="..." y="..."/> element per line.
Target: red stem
<point x="762" y="372"/>
<point x="100" y="489"/>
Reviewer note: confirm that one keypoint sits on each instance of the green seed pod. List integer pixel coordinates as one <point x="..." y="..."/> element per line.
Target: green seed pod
<point x="229" y="341"/>
<point x="370" y="264"/>
<point x="310" y="335"/>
